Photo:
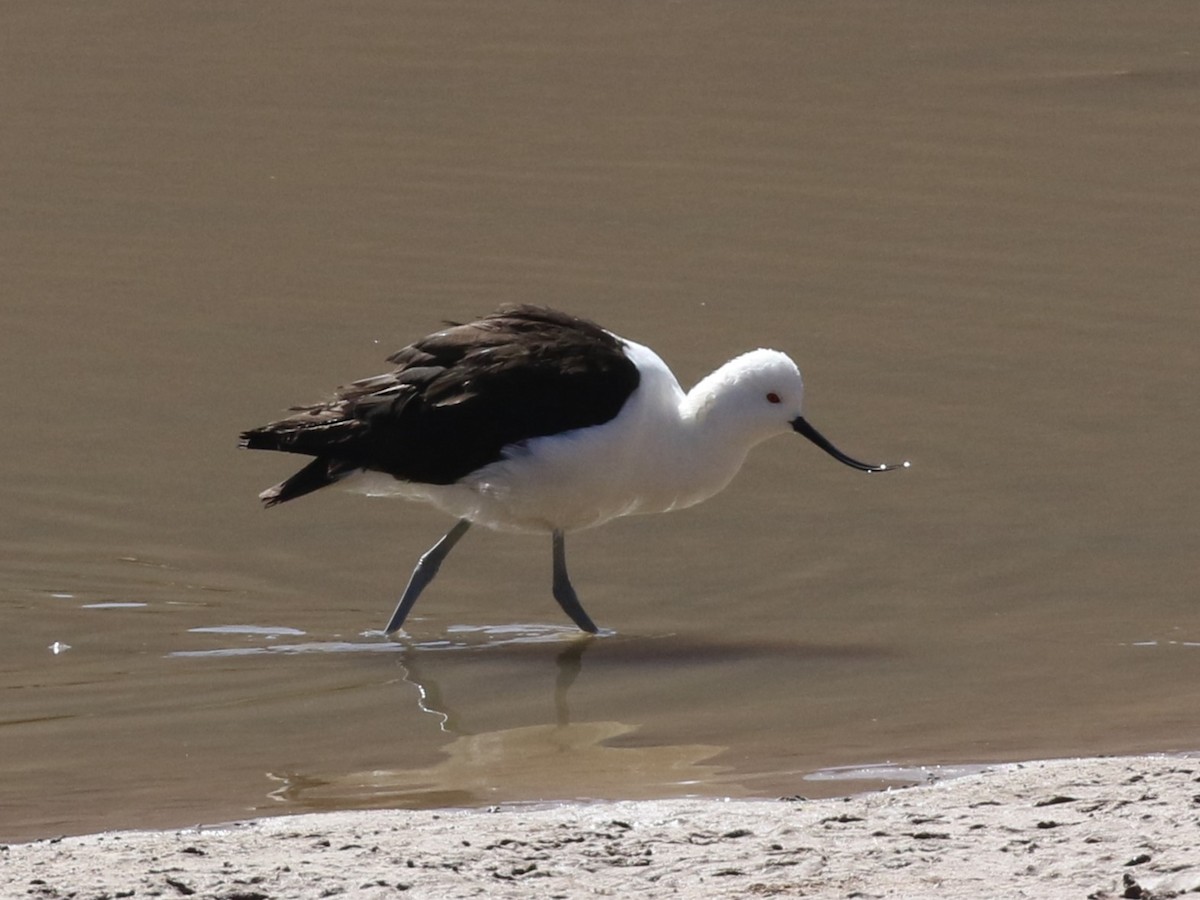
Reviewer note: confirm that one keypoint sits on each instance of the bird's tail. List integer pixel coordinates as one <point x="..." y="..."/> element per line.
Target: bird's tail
<point x="319" y="473"/>
<point x="319" y="431"/>
<point x="259" y="439"/>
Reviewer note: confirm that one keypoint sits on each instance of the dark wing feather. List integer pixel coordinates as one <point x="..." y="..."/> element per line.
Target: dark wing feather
<point x="456" y="399"/>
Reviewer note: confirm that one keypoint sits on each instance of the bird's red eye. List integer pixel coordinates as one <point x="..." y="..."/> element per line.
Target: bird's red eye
<point x="773" y="398"/>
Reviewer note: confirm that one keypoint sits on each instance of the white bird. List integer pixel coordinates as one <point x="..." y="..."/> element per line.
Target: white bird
<point x="532" y="420"/>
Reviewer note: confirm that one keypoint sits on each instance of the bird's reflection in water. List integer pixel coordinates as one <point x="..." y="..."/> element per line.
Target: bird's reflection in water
<point x="568" y="663"/>
<point x="429" y="696"/>
<point x="563" y="760"/>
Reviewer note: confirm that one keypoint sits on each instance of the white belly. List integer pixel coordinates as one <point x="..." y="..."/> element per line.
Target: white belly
<point x="573" y="481"/>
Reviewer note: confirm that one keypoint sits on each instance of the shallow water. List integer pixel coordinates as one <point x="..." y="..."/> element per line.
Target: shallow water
<point x="974" y="228"/>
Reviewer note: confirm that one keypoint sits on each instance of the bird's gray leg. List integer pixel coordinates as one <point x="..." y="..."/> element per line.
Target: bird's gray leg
<point x="427" y="568"/>
<point x="563" y="592"/>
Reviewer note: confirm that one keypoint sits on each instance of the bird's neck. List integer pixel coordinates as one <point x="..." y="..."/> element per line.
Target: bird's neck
<point x="711" y="441"/>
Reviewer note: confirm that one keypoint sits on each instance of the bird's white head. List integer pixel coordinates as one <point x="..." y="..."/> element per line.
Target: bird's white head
<point x="758" y="393"/>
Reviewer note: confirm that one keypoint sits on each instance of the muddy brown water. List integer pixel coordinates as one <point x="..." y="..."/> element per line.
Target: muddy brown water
<point x="974" y="226"/>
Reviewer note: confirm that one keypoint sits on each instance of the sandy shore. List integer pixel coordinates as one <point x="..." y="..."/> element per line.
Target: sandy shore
<point x="1095" y="828"/>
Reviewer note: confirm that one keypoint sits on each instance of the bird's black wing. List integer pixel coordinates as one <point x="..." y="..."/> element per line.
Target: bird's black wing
<point x="456" y="399"/>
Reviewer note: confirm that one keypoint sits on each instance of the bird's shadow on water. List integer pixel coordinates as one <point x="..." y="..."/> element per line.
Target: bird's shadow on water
<point x="566" y="651"/>
<point x="627" y="649"/>
<point x="571" y="652"/>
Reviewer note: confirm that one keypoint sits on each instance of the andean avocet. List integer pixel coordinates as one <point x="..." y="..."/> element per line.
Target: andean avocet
<point x="532" y="420"/>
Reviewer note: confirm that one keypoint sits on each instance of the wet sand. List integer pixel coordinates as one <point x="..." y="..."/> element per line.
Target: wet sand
<point x="1097" y="828"/>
